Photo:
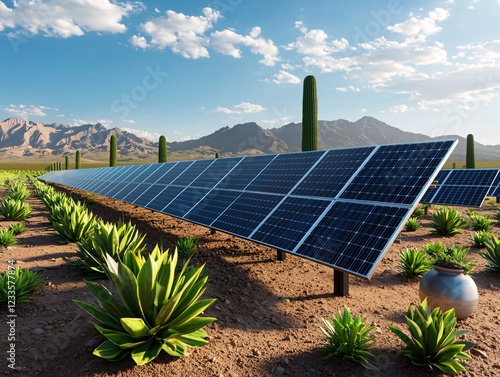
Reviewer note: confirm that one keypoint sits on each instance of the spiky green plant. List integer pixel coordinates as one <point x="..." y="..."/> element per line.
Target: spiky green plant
<point x="492" y="254"/>
<point x="112" y="239"/>
<point x="433" y="249"/>
<point x="479" y="238"/>
<point x="162" y="150"/>
<point x="309" y="115"/>
<point x="78" y="159"/>
<point x="20" y="283"/>
<point x="156" y="308"/>
<point x="412" y="224"/>
<point x="18" y="191"/>
<point x="454" y="257"/>
<point x="433" y="339"/>
<point x="447" y="221"/>
<point x="414" y="262"/>
<point x="480" y="222"/>
<point x="419" y="211"/>
<point x="17" y="229"/>
<point x="113" y="160"/>
<point x="349" y="338"/>
<point x="7" y="237"/>
<point x="187" y="246"/>
<point x="15" y="210"/>
<point x="470" y="161"/>
<point x="76" y="225"/>
<point x="496" y="213"/>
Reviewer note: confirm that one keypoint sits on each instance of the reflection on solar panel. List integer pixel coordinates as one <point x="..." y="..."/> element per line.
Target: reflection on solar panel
<point x="495" y="187"/>
<point x="461" y="187"/>
<point x="342" y="208"/>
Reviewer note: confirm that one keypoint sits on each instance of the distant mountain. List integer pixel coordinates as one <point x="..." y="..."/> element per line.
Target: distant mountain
<point x="22" y="138"/>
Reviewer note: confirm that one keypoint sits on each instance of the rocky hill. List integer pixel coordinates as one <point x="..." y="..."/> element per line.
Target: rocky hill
<point x="26" y="139"/>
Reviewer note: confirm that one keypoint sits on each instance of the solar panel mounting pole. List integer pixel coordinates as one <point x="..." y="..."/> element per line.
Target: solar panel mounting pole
<point x="281" y="255"/>
<point x="340" y="283"/>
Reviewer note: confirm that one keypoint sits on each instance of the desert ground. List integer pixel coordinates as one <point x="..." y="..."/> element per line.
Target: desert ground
<point x="268" y="311"/>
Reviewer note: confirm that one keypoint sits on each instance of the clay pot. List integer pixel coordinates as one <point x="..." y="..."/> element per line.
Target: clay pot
<point x="449" y="288"/>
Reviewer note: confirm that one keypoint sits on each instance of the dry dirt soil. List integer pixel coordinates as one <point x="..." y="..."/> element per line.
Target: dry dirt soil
<point x="268" y="312"/>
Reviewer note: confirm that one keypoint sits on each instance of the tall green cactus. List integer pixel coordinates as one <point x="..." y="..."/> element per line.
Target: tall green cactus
<point x="66" y="163"/>
<point x="162" y="151"/>
<point x="217" y="155"/>
<point x="309" y="115"/>
<point x="113" y="161"/>
<point x="78" y="160"/>
<point x="470" y="161"/>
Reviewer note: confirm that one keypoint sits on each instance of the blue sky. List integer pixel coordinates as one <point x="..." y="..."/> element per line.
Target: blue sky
<point x="184" y="69"/>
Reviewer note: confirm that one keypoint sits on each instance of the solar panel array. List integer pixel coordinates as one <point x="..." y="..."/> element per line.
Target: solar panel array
<point x="461" y="187"/>
<point x="342" y="208"/>
<point x="495" y="187"/>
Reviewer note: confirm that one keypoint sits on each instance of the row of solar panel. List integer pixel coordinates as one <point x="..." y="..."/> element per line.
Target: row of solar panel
<point x="342" y="208"/>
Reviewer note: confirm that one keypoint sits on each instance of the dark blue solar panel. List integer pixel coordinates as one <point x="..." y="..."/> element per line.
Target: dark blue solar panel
<point x="164" y="197"/>
<point x="136" y="173"/>
<point x="148" y="195"/>
<point x="472" y="196"/>
<point x="192" y="172"/>
<point x="158" y="173"/>
<point x="173" y="173"/>
<point x="286" y="226"/>
<point x="121" y="194"/>
<point x="245" y="172"/>
<point x="471" y="177"/>
<point x="211" y="206"/>
<point x="185" y="201"/>
<point x="332" y="172"/>
<point x="397" y="173"/>
<point x="352" y="236"/>
<point x="136" y="192"/>
<point x="246" y="212"/>
<point x="117" y="188"/>
<point x="495" y="187"/>
<point x="215" y="172"/>
<point x="284" y="172"/>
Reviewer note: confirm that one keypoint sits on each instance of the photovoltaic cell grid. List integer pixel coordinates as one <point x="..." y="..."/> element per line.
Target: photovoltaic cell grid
<point x="495" y="187"/>
<point x="462" y="187"/>
<point x="342" y="208"/>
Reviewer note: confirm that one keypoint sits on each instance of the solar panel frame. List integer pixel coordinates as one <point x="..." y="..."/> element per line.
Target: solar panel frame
<point x="239" y="197"/>
<point x="495" y="187"/>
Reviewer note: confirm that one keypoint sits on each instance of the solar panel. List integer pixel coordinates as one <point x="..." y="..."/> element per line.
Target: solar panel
<point x="342" y="208"/>
<point x="462" y="187"/>
<point x="495" y="187"/>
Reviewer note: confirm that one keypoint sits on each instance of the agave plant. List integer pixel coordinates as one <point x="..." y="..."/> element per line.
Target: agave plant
<point x="17" y="229"/>
<point x="492" y="254"/>
<point x="414" y="262"/>
<point x="432" y="341"/>
<point x="480" y="222"/>
<point x="496" y="214"/>
<point x="156" y="308"/>
<point x="15" y="209"/>
<point x="76" y="225"/>
<point x="433" y="249"/>
<point x="26" y="282"/>
<point x="447" y="221"/>
<point x="18" y="191"/>
<point x="454" y="257"/>
<point x="479" y="238"/>
<point x="7" y="237"/>
<point x="107" y="238"/>
<point x="187" y="246"/>
<point x="349" y="338"/>
<point x="412" y="224"/>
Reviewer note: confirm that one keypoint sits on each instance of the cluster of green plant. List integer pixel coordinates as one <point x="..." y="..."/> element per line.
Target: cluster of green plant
<point x="419" y="211"/>
<point x="187" y="246"/>
<point x="412" y="224"/>
<point x="156" y="308"/>
<point x="349" y="338"/>
<point x="447" y="221"/>
<point x="108" y="239"/>
<point x="7" y="237"/>
<point x="414" y="262"/>
<point x="17" y="229"/>
<point x="15" y="210"/>
<point x="18" y="191"/>
<point x="433" y="339"/>
<point x="492" y="254"/>
<point x="76" y="223"/>
<point x="479" y="238"/>
<point x="454" y="257"/>
<point x="496" y="213"/>
<point x="26" y="282"/>
<point x="480" y="222"/>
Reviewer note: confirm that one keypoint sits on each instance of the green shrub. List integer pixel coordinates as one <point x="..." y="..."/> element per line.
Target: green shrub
<point x="17" y="229"/>
<point x="492" y="254"/>
<point x="19" y="282"/>
<point x="76" y="224"/>
<point x="112" y="239"/>
<point x="349" y="338"/>
<point x="7" y="237"/>
<point x="18" y="191"/>
<point x="412" y="224"/>
<point x="496" y="214"/>
<point x="187" y="246"/>
<point x="447" y="221"/>
<point x="433" y="249"/>
<point x="432" y="341"/>
<point x="417" y="212"/>
<point x="155" y="309"/>
<point x="480" y="222"/>
<point x="414" y="262"/>
<point x="15" y="210"/>
<point x="479" y="238"/>
<point x="454" y="257"/>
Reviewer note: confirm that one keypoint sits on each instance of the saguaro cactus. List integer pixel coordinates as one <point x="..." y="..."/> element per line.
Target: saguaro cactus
<point x="162" y="151"/>
<point x="66" y="162"/>
<point x="78" y="160"/>
<point x="309" y="115"/>
<point x="217" y="155"/>
<point x="470" y="161"/>
<point x="113" y="161"/>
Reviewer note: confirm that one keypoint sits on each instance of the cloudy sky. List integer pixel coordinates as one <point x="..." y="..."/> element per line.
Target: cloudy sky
<point x="184" y="69"/>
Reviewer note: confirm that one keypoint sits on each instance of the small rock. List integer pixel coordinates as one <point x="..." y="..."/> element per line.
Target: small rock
<point x="92" y="343"/>
<point x="256" y="352"/>
<point x="37" y="331"/>
<point x="280" y="371"/>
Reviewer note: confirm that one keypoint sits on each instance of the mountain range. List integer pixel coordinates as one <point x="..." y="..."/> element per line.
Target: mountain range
<point x="26" y="139"/>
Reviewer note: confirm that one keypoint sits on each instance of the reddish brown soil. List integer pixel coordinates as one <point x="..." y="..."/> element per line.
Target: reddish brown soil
<point x="268" y="312"/>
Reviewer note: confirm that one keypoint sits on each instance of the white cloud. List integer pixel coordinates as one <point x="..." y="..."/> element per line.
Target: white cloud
<point x="141" y="133"/>
<point x="130" y="121"/>
<point x="242" y="108"/>
<point x="399" y="109"/>
<point x="104" y="122"/>
<point x="66" y="18"/>
<point x="350" y="88"/>
<point x="283" y="77"/>
<point x="426" y="26"/>
<point x="184" y="35"/>
<point x="25" y="111"/>
<point x="364" y="110"/>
